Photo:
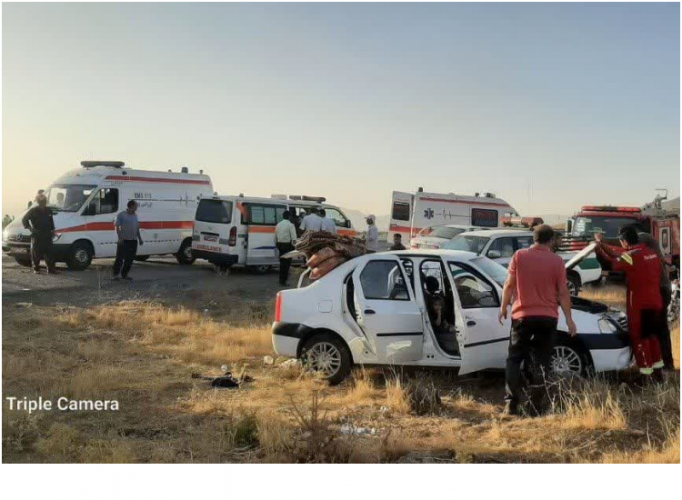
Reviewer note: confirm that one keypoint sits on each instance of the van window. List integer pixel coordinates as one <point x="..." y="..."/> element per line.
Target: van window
<point x="216" y="211"/>
<point x="483" y="217"/>
<point x="383" y="280"/>
<point x="105" y="201"/>
<point x="264" y="215"/>
<point x="338" y="218"/>
<point x="401" y="211"/>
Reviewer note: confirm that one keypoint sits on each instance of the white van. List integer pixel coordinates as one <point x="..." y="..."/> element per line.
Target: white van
<point x="85" y="203"/>
<point x="412" y="212"/>
<point x="240" y="230"/>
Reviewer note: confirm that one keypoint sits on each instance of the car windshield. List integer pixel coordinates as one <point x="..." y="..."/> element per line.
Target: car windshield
<point x="467" y="243"/>
<point x="445" y="232"/>
<point x="68" y="197"/>
<point x="497" y="272"/>
<point x="609" y="226"/>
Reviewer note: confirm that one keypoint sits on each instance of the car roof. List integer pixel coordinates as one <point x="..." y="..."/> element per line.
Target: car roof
<point x="459" y="254"/>
<point x="493" y="233"/>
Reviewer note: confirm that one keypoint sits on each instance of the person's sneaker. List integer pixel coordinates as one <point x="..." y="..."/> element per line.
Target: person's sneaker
<point x="511" y="409"/>
<point x="36" y="271"/>
<point x="658" y="376"/>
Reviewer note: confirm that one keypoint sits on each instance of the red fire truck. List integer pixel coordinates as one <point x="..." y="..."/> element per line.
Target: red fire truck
<point x="663" y="224"/>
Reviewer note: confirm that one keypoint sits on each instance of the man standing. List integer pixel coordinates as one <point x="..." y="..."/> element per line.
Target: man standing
<point x="39" y="221"/>
<point x="397" y="242"/>
<point x="327" y="224"/>
<point x="642" y="268"/>
<point x="285" y="236"/>
<point x="312" y="221"/>
<point x="128" y="231"/>
<point x="537" y="280"/>
<point x="372" y="241"/>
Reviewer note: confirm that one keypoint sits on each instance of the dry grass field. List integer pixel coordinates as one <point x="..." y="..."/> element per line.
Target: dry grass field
<point x="143" y="354"/>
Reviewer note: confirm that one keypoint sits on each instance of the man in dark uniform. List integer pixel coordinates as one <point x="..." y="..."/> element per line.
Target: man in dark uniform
<point x="39" y="221"/>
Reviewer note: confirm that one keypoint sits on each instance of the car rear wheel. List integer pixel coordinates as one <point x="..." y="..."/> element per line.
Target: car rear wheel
<point x="328" y="355"/>
<point x="574" y="284"/>
<point x="569" y="359"/>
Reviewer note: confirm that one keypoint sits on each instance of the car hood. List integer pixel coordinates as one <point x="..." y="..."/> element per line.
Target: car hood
<point x="589" y="306"/>
<point x="428" y="240"/>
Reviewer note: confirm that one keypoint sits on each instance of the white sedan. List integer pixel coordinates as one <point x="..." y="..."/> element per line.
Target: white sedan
<point x="437" y="236"/>
<point x="380" y="309"/>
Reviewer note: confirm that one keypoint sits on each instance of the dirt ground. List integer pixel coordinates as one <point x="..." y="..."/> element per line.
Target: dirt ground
<point x="81" y="336"/>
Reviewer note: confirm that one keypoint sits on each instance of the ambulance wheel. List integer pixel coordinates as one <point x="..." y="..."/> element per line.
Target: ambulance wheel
<point x="141" y="258"/>
<point x="574" y="284"/>
<point x="259" y="269"/>
<point x="23" y="261"/>
<point x="328" y="355"/>
<point x="80" y="256"/>
<point x="184" y="255"/>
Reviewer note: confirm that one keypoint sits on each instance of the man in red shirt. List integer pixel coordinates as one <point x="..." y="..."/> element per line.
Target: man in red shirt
<point x="537" y="281"/>
<point x="642" y="268"/>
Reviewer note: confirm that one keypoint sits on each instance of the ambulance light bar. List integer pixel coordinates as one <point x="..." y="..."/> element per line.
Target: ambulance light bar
<point x="316" y="199"/>
<point x="278" y="196"/>
<point x="98" y="163"/>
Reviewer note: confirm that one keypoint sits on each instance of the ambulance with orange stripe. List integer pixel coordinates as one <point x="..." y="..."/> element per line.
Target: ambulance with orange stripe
<point x="412" y="212"/>
<point x="240" y="230"/>
<point x="85" y="202"/>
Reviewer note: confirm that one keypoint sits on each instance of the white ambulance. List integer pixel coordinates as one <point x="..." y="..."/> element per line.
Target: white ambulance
<point x="85" y="203"/>
<point x="240" y="230"/>
<point x="412" y="212"/>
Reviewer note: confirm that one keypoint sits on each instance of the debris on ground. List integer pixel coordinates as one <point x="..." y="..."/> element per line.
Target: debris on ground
<point x="268" y="360"/>
<point x="427" y="457"/>
<point x="23" y="304"/>
<point x="225" y="381"/>
<point x="290" y="363"/>
<point x="349" y="429"/>
<point x="423" y="396"/>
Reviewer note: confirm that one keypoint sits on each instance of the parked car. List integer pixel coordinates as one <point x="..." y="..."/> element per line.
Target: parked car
<point x="377" y="310"/>
<point x="437" y="236"/>
<point x="501" y="244"/>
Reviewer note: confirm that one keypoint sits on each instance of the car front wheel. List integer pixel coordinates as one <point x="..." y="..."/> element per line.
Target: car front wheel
<point x="574" y="284"/>
<point x="328" y="355"/>
<point x="569" y="359"/>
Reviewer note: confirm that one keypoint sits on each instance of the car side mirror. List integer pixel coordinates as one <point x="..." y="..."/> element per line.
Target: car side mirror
<point x="348" y="224"/>
<point x="494" y="254"/>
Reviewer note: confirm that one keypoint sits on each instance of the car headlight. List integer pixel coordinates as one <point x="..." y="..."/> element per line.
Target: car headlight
<point x="607" y="326"/>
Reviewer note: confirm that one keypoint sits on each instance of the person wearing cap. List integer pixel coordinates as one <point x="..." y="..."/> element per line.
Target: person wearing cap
<point x="40" y="222"/>
<point x="327" y="224"/>
<point x="372" y="240"/>
<point x="312" y="221"/>
<point x="642" y="268"/>
<point x="537" y="284"/>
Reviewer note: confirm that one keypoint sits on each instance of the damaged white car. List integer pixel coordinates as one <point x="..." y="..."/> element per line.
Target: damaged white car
<point x="428" y="308"/>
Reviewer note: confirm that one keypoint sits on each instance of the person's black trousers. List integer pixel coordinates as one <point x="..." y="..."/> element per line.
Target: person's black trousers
<point x="532" y="341"/>
<point x="664" y="333"/>
<point x="41" y="248"/>
<point x="125" y="255"/>
<point x="284" y="264"/>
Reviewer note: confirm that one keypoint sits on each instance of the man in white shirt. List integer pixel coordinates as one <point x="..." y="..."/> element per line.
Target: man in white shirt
<point x="312" y="221"/>
<point x="372" y="241"/>
<point x="285" y="236"/>
<point x="327" y="224"/>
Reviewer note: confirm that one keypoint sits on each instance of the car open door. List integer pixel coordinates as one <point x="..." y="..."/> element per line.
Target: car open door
<point x="482" y="340"/>
<point x="387" y="311"/>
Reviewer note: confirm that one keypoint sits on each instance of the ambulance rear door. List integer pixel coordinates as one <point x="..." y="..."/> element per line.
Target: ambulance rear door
<point x="261" y="219"/>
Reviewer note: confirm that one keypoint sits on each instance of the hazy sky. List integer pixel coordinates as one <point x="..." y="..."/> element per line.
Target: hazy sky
<point x="549" y="105"/>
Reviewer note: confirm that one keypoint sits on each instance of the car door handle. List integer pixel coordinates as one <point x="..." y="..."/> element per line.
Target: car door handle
<point x="471" y="322"/>
<point x="370" y="311"/>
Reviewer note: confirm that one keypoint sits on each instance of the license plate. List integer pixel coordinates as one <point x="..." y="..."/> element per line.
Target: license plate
<point x="210" y="238"/>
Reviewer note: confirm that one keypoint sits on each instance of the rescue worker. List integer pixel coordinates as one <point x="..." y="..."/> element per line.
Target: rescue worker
<point x="128" y="231"/>
<point x="666" y="294"/>
<point x="537" y="285"/>
<point x="372" y="240"/>
<point x="397" y="242"/>
<point x="40" y="222"/>
<point x="327" y="224"/>
<point x="312" y="221"/>
<point x="642" y="268"/>
<point x="285" y="236"/>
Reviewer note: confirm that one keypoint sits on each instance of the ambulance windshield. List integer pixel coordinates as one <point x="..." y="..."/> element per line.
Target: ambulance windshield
<point x="68" y="197"/>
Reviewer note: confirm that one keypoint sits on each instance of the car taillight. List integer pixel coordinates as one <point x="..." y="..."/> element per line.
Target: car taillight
<point x="232" y="240"/>
<point x="278" y="307"/>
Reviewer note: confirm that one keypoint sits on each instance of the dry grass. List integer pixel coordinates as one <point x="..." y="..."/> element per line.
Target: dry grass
<point x="142" y="354"/>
